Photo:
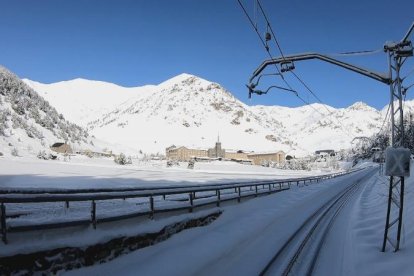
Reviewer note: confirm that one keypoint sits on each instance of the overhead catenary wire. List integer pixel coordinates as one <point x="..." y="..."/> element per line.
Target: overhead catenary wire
<point x="408" y="74"/>
<point x="258" y="34"/>
<point x="344" y="129"/>
<point x="357" y="53"/>
<point x="385" y="120"/>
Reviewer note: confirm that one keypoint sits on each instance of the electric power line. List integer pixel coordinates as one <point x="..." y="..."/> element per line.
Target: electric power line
<point x="345" y="130"/>
<point x="357" y="53"/>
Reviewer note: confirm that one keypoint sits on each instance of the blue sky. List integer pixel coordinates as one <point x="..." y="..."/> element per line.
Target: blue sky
<point x="132" y="43"/>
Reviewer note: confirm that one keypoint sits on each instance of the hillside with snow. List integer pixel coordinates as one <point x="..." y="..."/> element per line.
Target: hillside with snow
<point x="29" y="123"/>
<point x="190" y="111"/>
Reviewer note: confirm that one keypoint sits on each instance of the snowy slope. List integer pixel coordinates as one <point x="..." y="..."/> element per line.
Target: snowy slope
<point x="324" y="127"/>
<point x="190" y="111"/>
<point x="29" y="123"/>
<point x="82" y="100"/>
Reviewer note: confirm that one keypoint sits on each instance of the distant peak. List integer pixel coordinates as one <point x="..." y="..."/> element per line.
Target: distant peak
<point x="360" y="106"/>
<point x="183" y="78"/>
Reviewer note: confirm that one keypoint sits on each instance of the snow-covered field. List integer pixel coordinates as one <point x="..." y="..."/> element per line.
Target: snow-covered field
<point x="244" y="237"/>
<point x="83" y="172"/>
<point x="239" y="242"/>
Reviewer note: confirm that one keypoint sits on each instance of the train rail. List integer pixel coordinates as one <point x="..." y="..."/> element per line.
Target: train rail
<point x="299" y="254"/>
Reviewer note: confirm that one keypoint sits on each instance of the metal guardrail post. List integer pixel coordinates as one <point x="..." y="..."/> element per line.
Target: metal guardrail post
<point x="67" y="204"/>
<point x="255" y="195"/>
<point x="218" y="198"/>
<point x="3" y="223"/>
<point x="93" y="214"/>
<point x="151" y="216"/>
<point x="270" y="189"/>
<point x="239" y="192"/>
<point x="191" y="202"/>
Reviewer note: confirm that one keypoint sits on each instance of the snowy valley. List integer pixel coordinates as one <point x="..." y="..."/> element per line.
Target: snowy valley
<point x="189" y="111"/>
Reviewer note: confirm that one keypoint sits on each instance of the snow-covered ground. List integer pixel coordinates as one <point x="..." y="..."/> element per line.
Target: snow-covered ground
<point x="245" y="236"/>
<point x="83" y="172"/>
<point x="239" y="242"/>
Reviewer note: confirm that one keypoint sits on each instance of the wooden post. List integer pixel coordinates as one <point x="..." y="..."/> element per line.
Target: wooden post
<point x="3" y="223"/>
<point x="93" y="214"/>
<point x="191" y="202"/>
<point x="218" y="198"/>
<point x="151" y="216"/>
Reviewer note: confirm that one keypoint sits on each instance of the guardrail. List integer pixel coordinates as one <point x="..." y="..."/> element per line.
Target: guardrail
<point x="198" y="196"/>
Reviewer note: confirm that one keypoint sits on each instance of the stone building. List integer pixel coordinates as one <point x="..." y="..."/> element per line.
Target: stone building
<point x="184" y="154"/>
<point x="217" y="151"/>
<point x="236" y="155"/>
<point x="61" y="148"/>
<point x="262" y="158"/>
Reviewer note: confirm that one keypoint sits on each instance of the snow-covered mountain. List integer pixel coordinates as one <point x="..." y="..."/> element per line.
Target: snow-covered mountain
<point x="190" y="111"/>
<point x="83" y="100"/>
<point x="28" y="123"/>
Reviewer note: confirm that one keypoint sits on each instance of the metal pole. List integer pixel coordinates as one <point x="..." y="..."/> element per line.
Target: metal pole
<point x="93" y="214"/>
<point x="3" y="223"/>
<point x="397" y="140"/>
<point x="191" y="202"/>
<point x="151" y="207"/>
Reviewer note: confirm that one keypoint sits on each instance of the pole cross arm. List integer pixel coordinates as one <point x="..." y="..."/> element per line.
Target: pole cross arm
<point x="405" y="39"/>
<point x="306" y="56"/>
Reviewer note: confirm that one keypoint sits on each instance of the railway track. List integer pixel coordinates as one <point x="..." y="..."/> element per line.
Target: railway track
<point x="299" y="254"/>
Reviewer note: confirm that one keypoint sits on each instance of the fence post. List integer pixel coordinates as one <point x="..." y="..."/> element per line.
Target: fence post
<point x="163" y="196"/>
<point x="239" y="197"/>
<point x="67" y="204"/>
<point x="255" y="195"/>
<point x="3" y="223"/>
<point x="151" y="216"/>
<point x="93" y="214"/>
<point x="191" y="202"/>
<point x="270" y="189"/>
<point x="218" y="197"/>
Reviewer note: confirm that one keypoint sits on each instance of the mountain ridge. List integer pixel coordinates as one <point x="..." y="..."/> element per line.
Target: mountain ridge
<point x="190" y="111"/>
